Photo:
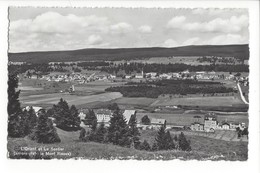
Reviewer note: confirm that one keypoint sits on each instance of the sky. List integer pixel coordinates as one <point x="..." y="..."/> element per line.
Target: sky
<point x="51" y="29"/>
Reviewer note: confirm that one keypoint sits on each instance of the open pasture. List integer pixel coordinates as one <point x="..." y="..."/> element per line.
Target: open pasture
<point x="199" y="101"/>
<point x="71" y="99"/>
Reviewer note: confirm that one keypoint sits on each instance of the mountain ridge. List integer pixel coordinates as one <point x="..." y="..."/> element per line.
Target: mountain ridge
<point x="240" y="51"/>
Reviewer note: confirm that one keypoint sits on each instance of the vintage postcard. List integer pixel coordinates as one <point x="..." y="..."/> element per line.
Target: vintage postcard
<point x="128" y="83"/>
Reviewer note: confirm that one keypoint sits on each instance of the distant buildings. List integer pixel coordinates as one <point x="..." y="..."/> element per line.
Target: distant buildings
<point x="211" y="124"/>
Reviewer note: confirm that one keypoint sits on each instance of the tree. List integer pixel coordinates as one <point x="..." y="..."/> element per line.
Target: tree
<point x="145" y="146"/>
<point x="118" y="130"/>
<point x="169" y="144"/>
<point x="45" y="131"/>
<point x="160" y="139"/>
<point x="133" y="131"/>
<point x="90" y="118"/>
<point x="113" y="106"/>
<point x="154" y="147"/>
<point x="101" y="133"/>
<point x="75" y="116"/>
<point x="28" y="121"/>
<point x="82" y="134"/>
<point x="145" y="120"/>
<point x="66" y="118"/>
<point x="184" y="144"/>
<point x="13" y="108"/>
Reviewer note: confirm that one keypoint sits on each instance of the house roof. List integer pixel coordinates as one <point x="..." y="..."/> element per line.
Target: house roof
<point x="127" y="114"/>
<point x="104" y="111"/>
<point x="158" y="121"/>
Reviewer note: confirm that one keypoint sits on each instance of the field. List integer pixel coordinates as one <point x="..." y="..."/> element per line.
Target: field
<point x="200" y="101"/>
<point x="202" y="149"/>
<point x="50" y="99"/>
<point x="186" y="119"/>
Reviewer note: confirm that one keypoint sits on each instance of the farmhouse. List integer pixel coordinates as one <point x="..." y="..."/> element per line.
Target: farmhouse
<point x="225" y="126"/>
<point x="103" y="115"/>
<point x="196" y="126"/>
<point x="157" y="123"/>
<point x="210" y="123"/>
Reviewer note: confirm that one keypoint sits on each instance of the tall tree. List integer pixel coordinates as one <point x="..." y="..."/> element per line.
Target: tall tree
<point x="169" y="141"/>
<point x="91" y="118"/>
<point x="75" y="116"/>
<point x="113" y="106"/>
<point x="28" y="121"/>
<point x="118" y="130"/>
<point x="64" y="118"/>
<point x="101" y="133"/>
<point x="13" y="108"/>
<point x="184" y="144"/>
<point x="133" y="131"/>
<point x="45" y="131"/>
<point x="160" y="138"/>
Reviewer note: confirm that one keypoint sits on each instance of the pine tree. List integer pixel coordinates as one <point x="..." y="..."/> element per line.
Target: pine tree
<point x="118" y="130"/>
<point x="75" y="116"/>
<point x="64" y="119"/>
<point x="169" y="141"/>
<point x="13" y="108"/>
<point x="145" y="146"/>
<point x="101" y="133"/>
<point x="160" y="139"/>
<point x="154" y="147"/>
<point x="45" y="132"/>
<point x="91" y="118"/>
<point x="133" y="131"/>
<point x="28" y="121"/>
<point x="184" y="144"/>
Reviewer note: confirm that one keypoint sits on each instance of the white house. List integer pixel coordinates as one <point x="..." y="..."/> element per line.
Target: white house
<point x="103" y="115"/>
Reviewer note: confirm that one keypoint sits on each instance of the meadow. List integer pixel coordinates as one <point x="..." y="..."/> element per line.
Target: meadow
<point x="202" y="149"/>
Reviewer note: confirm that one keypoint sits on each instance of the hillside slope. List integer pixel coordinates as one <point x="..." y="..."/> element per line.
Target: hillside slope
<point x="239" y="51"/>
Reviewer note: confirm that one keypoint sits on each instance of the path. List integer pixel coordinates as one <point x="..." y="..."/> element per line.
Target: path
<point x="241" y="94"/>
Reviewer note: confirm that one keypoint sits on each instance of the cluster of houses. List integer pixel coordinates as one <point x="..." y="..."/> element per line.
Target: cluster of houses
<point x="104" y="116"/>
<point x="211" y="124"/>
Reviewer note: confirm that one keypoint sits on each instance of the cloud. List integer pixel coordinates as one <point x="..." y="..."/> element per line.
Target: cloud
<point x="121" y="28"/>
<point x="170" y="43"/>
<point x="175" y="22"/>
<point x="191" y="41"/>
<point x="145" y="29"/>
<point x="227" y="39"/>
<point x="95" y="40"/>
<point x="232" y="25"/>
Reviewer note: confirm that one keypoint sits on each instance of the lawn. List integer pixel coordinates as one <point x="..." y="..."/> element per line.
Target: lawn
<point x="203" y="149"/>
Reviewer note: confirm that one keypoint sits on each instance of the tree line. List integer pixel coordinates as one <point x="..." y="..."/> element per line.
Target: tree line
<point x="169" y="68"/>
<point x="180" y="87"/>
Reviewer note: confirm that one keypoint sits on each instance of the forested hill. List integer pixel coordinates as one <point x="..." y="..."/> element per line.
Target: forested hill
<point x="239" y="51"/>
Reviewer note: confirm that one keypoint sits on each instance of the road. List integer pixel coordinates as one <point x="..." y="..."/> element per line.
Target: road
<point x="241" y="94"/>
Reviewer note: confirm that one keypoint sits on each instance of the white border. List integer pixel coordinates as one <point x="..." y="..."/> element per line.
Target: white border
<point x="252" y="165"/>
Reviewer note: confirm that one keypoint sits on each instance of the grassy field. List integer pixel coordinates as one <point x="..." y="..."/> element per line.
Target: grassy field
<point x="187" y="119"/>
<point x="200" y="101"/>
<point x="50" y="99"/>
<point x="202" y="149"/>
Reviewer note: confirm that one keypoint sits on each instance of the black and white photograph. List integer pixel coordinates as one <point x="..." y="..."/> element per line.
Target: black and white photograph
<point x="128" y="83"/>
